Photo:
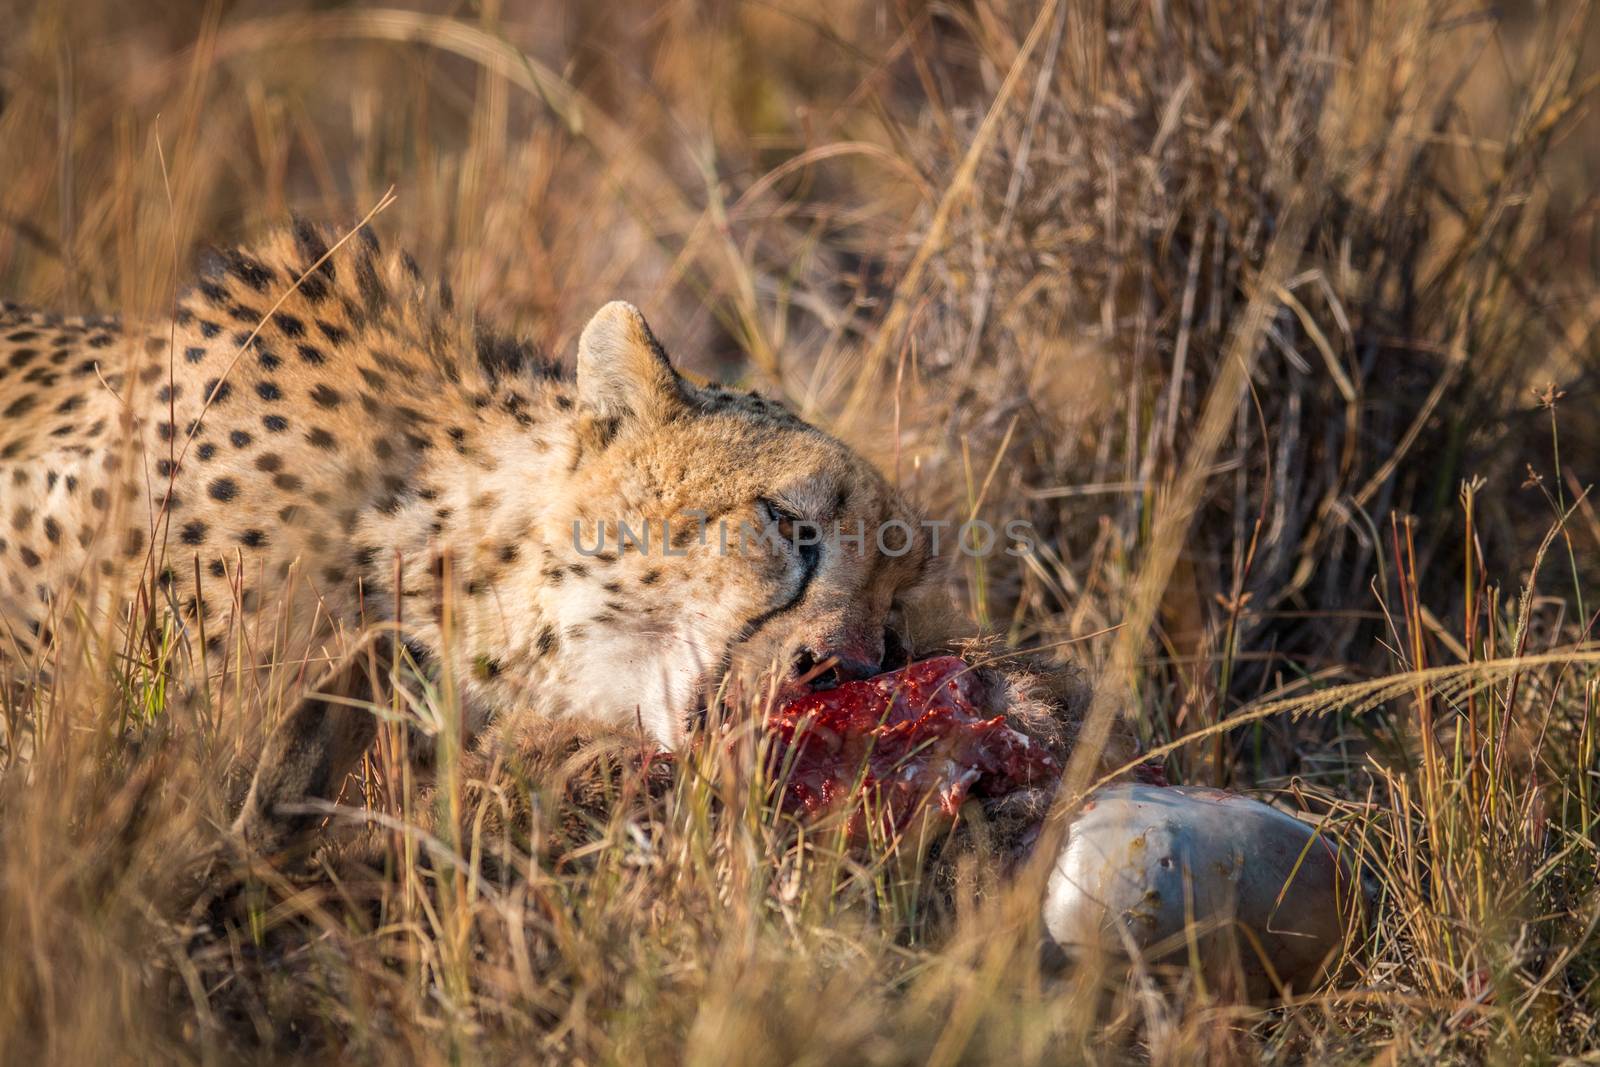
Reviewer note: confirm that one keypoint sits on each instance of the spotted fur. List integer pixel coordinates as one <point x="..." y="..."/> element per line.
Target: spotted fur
<point x="322" y="436"/>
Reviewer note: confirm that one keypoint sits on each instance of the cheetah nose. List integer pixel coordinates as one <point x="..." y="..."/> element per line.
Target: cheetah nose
<point x="824" y="670"/>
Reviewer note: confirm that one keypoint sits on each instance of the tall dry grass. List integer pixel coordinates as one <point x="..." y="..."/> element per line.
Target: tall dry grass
<point x="1243" y="305"/>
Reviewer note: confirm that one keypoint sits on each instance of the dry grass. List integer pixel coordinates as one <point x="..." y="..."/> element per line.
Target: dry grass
<point x="1243" y="305"/>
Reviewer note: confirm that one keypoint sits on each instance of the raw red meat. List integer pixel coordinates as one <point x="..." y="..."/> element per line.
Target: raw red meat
<point x="899" y="740"/>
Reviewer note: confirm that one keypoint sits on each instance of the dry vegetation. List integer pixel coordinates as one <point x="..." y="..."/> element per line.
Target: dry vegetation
<point x="1277" y="319"/>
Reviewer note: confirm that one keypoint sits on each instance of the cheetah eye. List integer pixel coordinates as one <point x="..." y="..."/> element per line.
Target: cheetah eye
<point x="780" y="517"/>
<point x="788" y="525"/>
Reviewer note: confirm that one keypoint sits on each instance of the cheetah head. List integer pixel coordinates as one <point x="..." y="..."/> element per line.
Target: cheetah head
<point x="717" y="535"/>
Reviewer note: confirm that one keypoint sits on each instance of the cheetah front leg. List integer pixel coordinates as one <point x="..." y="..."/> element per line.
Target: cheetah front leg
<point x="307" y="757"/>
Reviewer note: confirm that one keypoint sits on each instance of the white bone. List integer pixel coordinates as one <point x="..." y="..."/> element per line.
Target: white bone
<point x="1183" y="875"/>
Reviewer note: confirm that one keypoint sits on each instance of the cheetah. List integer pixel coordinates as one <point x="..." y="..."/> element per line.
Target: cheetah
<point x="321" y="446"/>
<point x="318" y="434"/>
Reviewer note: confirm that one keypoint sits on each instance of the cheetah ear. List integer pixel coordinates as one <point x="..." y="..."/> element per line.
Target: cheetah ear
<point x="622" y="371"/>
